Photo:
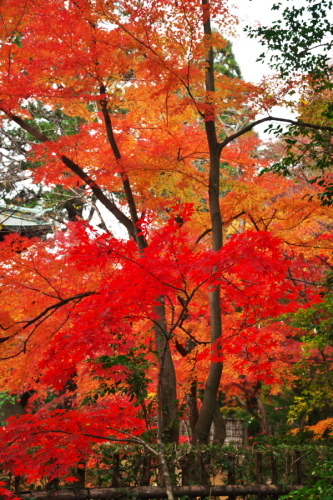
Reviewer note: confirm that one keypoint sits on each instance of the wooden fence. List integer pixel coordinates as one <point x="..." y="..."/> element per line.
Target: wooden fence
<point x="195" y="472"/>
<point x="232" y="492"/>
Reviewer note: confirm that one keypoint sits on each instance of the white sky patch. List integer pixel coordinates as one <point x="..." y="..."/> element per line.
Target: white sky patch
<point x="253" y="13"/>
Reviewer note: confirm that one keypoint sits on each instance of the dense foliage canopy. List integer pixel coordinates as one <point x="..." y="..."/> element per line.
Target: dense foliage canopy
<point x="175" y="270"/>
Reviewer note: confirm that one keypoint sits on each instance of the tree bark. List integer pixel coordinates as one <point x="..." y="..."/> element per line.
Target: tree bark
<point x="167" y="384"/>
<point x="215" y="372"/>
<point x="265" y="427"/>
<point x="220" y="431"/>
<point x="192" y="405"/>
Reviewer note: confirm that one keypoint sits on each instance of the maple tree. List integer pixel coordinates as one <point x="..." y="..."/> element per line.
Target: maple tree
<point x="120" y="105"/>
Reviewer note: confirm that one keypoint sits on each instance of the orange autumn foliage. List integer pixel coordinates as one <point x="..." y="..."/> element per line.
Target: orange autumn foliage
<point x="157" y="146"/>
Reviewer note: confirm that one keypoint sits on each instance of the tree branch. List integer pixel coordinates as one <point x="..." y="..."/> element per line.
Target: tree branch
<point x="209" y="230"/>
<point x="123" y="174"/>
<point x="118" y="214"/>
<point x="61" y="303"/>
<point x="249" y="127"/>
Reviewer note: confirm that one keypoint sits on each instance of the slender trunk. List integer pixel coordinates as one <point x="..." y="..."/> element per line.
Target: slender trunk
<point x="167" y="384"/>
<point x="192" y="405"/>
<point x="165" y="471"/>
<point x="215" y="372"/>
<point x="265" y="427"/>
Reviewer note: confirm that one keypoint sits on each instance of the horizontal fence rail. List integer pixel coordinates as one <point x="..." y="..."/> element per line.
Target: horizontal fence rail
<point x="147" y="492"/>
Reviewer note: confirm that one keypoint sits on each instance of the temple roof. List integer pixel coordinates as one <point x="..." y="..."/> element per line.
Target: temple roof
<point x="25" y="221"/>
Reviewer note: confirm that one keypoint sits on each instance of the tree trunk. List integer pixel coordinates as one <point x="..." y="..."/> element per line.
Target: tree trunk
<point x="220" y="430"/>
<point x="215" y="372"/>
<point x="192" y="405"/>
<point x="167" y="384"/>
<point x="265" y="427"/>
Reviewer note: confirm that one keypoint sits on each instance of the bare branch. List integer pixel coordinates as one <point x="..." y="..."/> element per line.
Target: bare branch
<point x="248" y="128"/>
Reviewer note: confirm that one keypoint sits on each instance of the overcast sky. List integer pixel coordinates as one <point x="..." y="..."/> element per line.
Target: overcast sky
<point x="252" y="12"/>
<point x="246" y="50"/>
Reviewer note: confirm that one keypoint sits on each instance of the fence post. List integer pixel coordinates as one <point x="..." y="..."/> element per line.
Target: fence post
<point x="232" y="474"/>
<point x="259" y="466"/>
<point x="146" y="467"/>
<point x="274" y="469"/>
<point x="17" y="480"/>
<point x="299" y="469"/>
<point x="115" y="470"/>
<point x="259" y="471"/>
<point x="81" y="473"/>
